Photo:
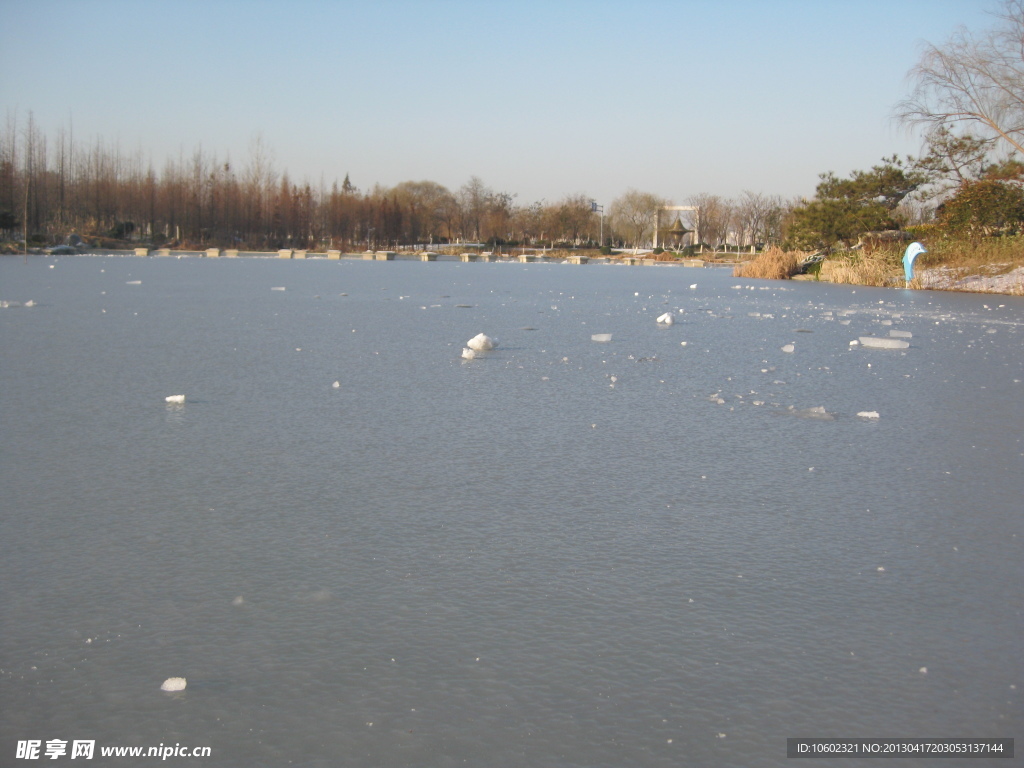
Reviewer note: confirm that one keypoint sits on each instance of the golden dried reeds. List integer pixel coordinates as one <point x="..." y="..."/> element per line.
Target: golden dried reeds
<point x="771" y="264"/>
<point x="881" y="267"/>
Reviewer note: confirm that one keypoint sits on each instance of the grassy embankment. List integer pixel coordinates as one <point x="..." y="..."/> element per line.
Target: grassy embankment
<point x="948" y="259"/>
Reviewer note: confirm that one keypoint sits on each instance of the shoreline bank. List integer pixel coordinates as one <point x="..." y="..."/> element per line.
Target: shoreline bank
<point x="1009" y="283"/>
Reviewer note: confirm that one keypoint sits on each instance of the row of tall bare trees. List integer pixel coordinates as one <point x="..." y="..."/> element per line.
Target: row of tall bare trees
<point x="52" y="186"/>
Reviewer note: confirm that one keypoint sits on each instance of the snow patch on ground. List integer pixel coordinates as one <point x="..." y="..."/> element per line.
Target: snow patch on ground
<point x="950" y="279"/>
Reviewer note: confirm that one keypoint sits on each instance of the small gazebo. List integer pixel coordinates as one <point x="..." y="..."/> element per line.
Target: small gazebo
<point x="676" y="233"/>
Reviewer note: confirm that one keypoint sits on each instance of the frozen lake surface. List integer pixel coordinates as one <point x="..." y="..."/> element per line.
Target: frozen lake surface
<point x="678" y="546"/>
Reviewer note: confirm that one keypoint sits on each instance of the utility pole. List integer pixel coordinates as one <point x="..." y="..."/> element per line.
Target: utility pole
<point x="595" y="208"/>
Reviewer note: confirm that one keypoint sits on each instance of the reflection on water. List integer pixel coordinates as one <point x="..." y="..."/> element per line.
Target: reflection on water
<point x="680" y="545"/>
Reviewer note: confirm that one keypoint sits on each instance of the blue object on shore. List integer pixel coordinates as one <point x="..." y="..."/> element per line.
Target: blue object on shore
<point x="912" y="252"/>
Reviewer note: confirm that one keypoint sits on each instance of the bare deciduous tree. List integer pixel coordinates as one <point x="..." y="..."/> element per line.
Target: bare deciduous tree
<point x="716" y="216"/>
<point x="634" y="215"/>
<point x="758" y="217"/>
<point x="976" y="80"/>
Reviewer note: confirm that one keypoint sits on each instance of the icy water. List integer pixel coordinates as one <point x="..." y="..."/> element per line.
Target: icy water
<point x="677" y="547"/>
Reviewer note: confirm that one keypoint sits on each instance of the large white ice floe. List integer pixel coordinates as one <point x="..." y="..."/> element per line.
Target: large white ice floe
<point x="600" y="337"/>
<point x="174" y="684"/>
<point x="881" y="342"/>
<point x="481" y="343"/>
<point x="868" y="414"/>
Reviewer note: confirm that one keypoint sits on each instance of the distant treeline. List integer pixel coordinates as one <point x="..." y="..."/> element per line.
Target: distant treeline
<point x="55" y="186"/>
<point x="58" y="187"/>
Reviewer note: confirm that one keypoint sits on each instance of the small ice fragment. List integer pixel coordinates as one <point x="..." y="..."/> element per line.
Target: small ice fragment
<point x="601" y="337"/>
<point x="854" y="343"/>
<point x="880" y="342"/>
<point x="880" y="569"/>
<point x="667" y="319"/>
<point x="817" y="412"/>
<point x="923" y="670"/>
<point x="277" y="288"/>
<point x="134" y="282"/>
<point x="868" y="414"/>
<point x="788" y="348"/>
<point x="175" y="399"/>
<point x="238" y="600"/>
<point x="481" y="343"/>
<point x="174" y="684"/>
<point x="468" y="353"/>
<point x="901" y="334"/>
<point x="682" y="343"/>
<point x="336" y="385"/>
<point x="693" y="287"/>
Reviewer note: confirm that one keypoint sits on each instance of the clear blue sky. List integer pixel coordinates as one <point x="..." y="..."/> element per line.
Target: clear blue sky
<point x="540" y="98"/>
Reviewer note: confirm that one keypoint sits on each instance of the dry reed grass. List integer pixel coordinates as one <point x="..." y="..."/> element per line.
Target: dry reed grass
<point x="879" y="268"/>
<point x="771" y="264"/>
<point x="997" y="254"/>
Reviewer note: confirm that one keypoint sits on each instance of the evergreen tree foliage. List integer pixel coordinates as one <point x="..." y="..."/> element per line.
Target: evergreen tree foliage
<point x="844" y="208"/>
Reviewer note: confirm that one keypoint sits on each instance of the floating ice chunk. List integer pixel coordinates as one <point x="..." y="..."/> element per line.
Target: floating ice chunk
<point x="693" y="287"/>
<point x="901" y="334"/>
<point x="789" y="348"/>
<point x="667" y="319"/>
<point x="481" y="343"/>
<point x="468" y="353"/>
<point x="174" y="684"/>
<point x="818" y="412"/>
<point x="336" y="385"/>
<point x="868" y="414"/>
<point x="134" y="282"/>
<point x="879" y="342"/>
<point x="854" y="343"/>
<point x="682" y="343"/>
<point x="278" y="288"/>
<point x="601" y="337"/>
<point x="923" y="670"/>
<point x="175" y="399"/>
